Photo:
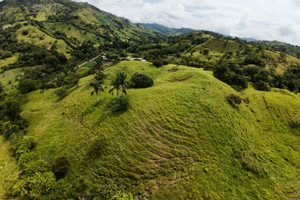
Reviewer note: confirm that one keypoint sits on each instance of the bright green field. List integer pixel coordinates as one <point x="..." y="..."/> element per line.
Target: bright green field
<point x="180" y="139"/>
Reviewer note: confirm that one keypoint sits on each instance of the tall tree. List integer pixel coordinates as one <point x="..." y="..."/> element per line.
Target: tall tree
<point x="119" y="84"/>
<point x="97" y="85"/>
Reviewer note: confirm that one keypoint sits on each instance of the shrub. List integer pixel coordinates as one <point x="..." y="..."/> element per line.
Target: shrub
<point x="234" y="99"/>
<point x="158" y="63"/>
<point x="99" y="147"/>
<point x="39" y="185"/>
<point x="140" y="80"/>
<point x="25" y="145"/>
<point x="25" y="32"/>
<point x="8" y="128"/>
<point x="27" y="85"/>
<point x="61" y="92"/>
<point x="60" y="167"/>
<point x="36" y="166"/>
<point x="119" y="104"/>
<point x="261" y="85"/>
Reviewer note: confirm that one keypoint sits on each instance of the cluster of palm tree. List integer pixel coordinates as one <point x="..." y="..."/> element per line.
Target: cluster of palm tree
<point x="119" y="84"/>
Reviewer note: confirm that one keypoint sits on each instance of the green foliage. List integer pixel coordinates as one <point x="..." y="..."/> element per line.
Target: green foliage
<point x="24" y="145"/>
<point x="228" y="76"/>
<point x="158" y="62"/>
<point x="8" y="128"/>
<point x="119" y="84"/>
<point x="255" y="60"/>
<point x="12" y="108"/>
<point x="60" y="167"/>
<point x="25" y="32"/>
<point x="35" y="166"/>
<point x="119" y="104"/>
<point x="61" y="92"/>
<point x="27" y="85"/>
<point x="123" y="196"/>
<point x="40" y="184"/>
<point x="261" y="85"/>
<point x="141" y="80"/>
<point x="234" y="99"/>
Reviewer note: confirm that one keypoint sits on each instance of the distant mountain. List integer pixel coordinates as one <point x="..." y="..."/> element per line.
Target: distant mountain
<point x="166" y="30"/>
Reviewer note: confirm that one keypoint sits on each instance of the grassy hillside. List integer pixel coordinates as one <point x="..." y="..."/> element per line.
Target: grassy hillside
<point x="63" y="23"/>
<point x="8" y="166"/>
<point x="180" y="139"/>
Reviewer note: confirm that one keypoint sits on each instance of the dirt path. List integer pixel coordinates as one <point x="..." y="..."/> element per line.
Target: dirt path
<point x="88" y="61"/>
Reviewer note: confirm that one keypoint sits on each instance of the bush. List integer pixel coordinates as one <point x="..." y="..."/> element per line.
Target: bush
<point x="61" y="92"/>
<point x="119" y="104"/>
<point x="27" y="85"/>
<point x="234" y="99"/>
<point x="261" y="85"/>
<point x="60" y="167"/>
<point x="8" y="128"/>
<point x="140" y="80"/>
<point x="25" y="32"/>
<point x="25" y="145"/>
<point x="158" y="63"/>
<point x="99" y="147"/>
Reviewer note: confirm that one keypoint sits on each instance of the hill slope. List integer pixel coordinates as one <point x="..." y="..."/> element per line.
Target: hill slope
<point x="166" y="30"/>
<point x="180" y="139"/>
<point x="63" y="25"/>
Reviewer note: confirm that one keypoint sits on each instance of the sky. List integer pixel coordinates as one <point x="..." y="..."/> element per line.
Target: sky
<point x="258" y="19"/>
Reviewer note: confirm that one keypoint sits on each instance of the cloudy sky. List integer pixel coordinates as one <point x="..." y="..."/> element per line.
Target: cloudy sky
<point x="260" y="19"/>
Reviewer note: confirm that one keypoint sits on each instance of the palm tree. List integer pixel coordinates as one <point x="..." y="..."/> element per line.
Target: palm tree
<point x="97" y="88"/>
<point x="119" y="84"/>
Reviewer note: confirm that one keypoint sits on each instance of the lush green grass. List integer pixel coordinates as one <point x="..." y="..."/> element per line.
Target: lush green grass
<point x="7" y="61"/>
<point x="8" y="164"/>
<point x="180" y="139"/>
<point x="8" y="78"/>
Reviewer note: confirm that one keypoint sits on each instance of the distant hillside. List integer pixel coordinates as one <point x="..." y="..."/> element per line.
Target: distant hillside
<point x="166" y="30"/>
<point x="71" y="21"/>
<point x="290" y="49"/>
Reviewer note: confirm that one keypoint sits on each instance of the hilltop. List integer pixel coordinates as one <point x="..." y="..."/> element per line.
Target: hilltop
<point x="179" y="139"/>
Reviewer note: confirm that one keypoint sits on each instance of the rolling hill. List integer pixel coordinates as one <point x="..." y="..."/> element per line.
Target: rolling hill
<point x="180" y="139"/>
<point x="203" y="130"/>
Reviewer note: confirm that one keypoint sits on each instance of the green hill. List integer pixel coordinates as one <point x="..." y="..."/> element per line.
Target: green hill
<point x="221" y="120"/>
<point x="180" y="139"/>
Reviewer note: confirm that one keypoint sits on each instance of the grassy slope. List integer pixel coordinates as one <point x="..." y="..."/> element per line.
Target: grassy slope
<point x="34" y="35"/>
<point x="7" y="61"/>
<point x="180" y="139"/>
<point x="7" y="162"/>
<point x="8" y="78"/>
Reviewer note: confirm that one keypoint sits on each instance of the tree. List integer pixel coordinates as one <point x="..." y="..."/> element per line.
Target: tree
<point x="119" y="84"/>
<point x="140" y="80"/>
<point x="97" y="85"/>
<point x="12" y="108"/>
<point x="27" y="85"/>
